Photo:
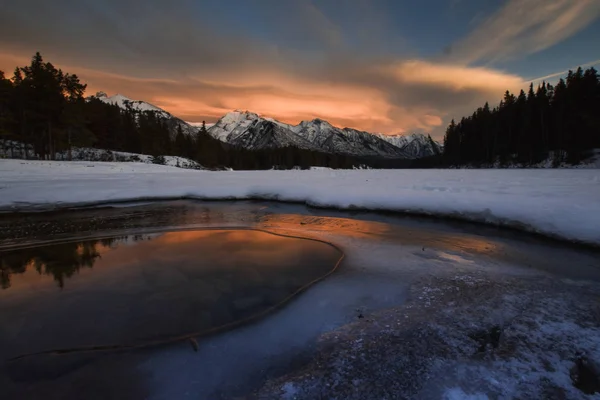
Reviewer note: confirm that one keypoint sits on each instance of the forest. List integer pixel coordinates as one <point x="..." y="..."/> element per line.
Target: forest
<point x="562" y="121"/>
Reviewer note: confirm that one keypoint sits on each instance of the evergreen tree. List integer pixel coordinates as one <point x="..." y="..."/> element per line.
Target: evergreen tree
<point x="560" y="119"/>
<point x="180" y="142"/>
<point x="6" y="115"/>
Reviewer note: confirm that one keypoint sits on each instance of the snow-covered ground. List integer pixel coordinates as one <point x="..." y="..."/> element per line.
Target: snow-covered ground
<point x="558" y="203"/>
<point x="91" y="154"/>
<point x="12" y="149"/>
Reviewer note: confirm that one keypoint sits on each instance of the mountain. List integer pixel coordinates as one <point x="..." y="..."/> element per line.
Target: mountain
<point x="198" y="124"/>
<point x="264" y="134"/>
<point x="252" y="131"/>
<point x="345" y="141"/>
<point x="141" y="106"/>
<point x="241" y="127"/>
<point x="416" y="145"/>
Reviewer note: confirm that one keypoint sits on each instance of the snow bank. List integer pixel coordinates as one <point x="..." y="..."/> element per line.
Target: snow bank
<point x="12" y="149"/>
<point x="559" y="203"/>
<point x="92" y="154"/>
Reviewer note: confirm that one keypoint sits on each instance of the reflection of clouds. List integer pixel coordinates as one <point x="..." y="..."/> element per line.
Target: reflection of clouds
<point x="342" y="226"/>
<point x="474" y="244"/>
<point x="236" y="246"/>
<point x="455" y="258"/>
<point x="379" y="231"/>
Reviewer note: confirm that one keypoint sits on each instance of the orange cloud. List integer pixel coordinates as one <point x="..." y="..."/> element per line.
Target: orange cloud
<point x="454" y="77"/>
<point x="389" y="98"/>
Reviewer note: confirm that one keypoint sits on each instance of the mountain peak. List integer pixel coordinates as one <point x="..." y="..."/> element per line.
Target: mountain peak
<point x="119" y="97"/>
<point x="244" y="112"/>
<point x="237" y="116"/>
<point x="416" y="144"/>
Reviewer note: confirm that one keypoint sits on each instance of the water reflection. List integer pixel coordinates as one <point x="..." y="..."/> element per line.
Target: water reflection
<point x="382" y="231"/>
<point x="60" y="261"/>
<point x="148" y="287"/>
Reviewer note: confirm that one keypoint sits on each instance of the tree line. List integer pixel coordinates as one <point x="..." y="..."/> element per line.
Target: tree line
<point x="563" y="120"/>
<point x="45" y="108"/>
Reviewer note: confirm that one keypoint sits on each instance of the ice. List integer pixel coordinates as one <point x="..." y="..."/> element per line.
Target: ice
<point x="558" y="203"/>
<point x="395" y="285"/>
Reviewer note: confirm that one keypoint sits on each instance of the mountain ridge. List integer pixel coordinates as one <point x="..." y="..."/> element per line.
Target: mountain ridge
<point x="253" y="131"/>
<point x="326" y="137"/>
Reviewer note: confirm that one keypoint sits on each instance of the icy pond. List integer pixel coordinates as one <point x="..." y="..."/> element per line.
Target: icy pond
<point x="158" y="300"/>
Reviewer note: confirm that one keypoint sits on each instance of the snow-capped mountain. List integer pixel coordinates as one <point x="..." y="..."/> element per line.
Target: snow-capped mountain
<point x="253" y="131"/>
<point x="124" y="102"/>
<point x="241" y="127"/>
<point x="265" y="134"/>
<point x="345" y="141"/>
<point x="416" y="145"/>
<point x="142" y="106"/>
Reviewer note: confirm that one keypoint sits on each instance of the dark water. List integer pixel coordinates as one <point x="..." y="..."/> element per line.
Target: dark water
<point x="134" y="288"/>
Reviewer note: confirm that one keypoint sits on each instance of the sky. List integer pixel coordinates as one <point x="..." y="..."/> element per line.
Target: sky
<point x="390" y="66"/>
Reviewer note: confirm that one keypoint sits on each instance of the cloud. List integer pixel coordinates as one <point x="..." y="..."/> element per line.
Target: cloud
<point x="453" y="77"/>
<point x="564" y="72"/>
<point x="390" y="97"/>
<point x="524" y="27"/>
<point x="288" y="60"/>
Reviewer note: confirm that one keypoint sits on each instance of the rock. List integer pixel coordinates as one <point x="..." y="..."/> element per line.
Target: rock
<point x="585" y="375"/>
<point x="194" y="344"/>
<point x="487" y="337"/>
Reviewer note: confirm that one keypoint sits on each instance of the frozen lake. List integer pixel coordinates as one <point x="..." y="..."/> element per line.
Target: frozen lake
<point x="419" y="308"/>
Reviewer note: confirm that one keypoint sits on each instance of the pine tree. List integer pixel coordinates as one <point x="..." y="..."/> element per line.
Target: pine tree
<point x="6" y="114"/>
<point x="561" y="118"/>
<point x="180" y="142"/>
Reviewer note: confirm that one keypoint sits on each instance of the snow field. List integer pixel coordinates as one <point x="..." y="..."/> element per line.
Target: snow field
<point x="559" y="203"/>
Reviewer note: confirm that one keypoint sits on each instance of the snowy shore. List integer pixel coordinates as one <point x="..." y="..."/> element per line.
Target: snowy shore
<point x="559" y="203"/>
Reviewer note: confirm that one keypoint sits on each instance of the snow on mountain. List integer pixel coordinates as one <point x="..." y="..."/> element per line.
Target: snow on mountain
<point x="236" y="123"/>
<point x="345" y="141"/>
<point x="415" y="145"/>
<point x="264" y="134"/>
<point x="253" y="131"/>
<point x="138" y="105"/>
<point x="241" y="127"/>
<point x="232" y="125"/>
<point x="124" y="102"/>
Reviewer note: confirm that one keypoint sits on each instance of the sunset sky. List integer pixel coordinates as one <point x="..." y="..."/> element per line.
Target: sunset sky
<point x="388" y="66"/>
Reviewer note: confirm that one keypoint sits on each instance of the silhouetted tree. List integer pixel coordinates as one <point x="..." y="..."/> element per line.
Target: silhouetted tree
<point x="562" y="119"/>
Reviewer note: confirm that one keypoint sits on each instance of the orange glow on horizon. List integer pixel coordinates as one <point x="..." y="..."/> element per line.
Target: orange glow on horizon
<point x="290" y="98"/>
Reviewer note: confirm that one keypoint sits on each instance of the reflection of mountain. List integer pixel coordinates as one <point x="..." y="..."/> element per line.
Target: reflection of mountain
<point x="61" y="261"/>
